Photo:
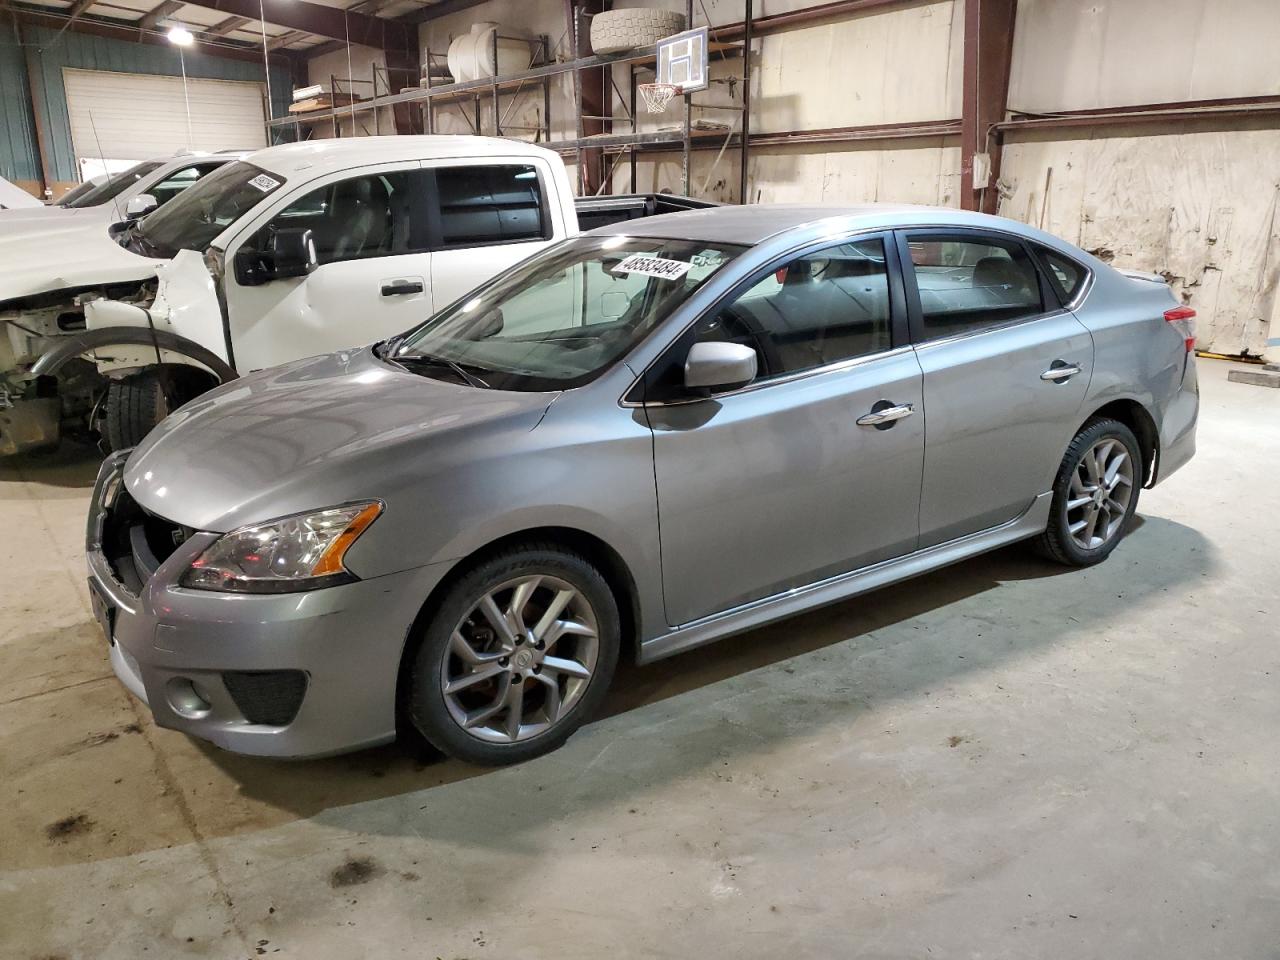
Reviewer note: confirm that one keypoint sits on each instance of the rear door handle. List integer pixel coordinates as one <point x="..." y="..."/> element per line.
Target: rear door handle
<point x="398" y="288"/>
<point x="885" y="414"/>
<point x="1061" y="370"/>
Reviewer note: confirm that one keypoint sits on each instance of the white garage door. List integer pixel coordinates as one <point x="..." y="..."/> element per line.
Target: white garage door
<point x="133" y="116"/>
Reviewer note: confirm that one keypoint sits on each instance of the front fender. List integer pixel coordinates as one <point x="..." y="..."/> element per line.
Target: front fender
<point x="91" y="340"/>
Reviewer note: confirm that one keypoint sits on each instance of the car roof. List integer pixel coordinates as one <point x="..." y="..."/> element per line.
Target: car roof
<point x="324" y="155"/>
<point x="754" y="223"/>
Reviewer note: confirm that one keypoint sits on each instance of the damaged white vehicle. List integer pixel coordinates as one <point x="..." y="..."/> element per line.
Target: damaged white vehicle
<point x="296" y="250"/>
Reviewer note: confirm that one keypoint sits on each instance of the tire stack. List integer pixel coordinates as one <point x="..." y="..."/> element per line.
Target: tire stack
<point x="616" y="31"/>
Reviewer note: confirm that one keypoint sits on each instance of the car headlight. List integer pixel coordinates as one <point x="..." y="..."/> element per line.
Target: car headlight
<point x="301" y="552"/>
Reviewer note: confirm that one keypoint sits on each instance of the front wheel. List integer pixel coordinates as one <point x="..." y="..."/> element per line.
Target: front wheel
<point x="137" y="403"/>
<point x="1094" y="495"/>
<point x="519" y="654"/>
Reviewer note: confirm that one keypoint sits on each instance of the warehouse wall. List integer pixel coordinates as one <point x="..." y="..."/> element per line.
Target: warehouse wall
<point x="19" y="161"/>
<point x="91" y="52"/>
<point x="1195" y="202"/>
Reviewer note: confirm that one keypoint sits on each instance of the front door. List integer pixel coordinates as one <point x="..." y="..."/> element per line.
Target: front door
<point x="372" y="281"/>
<point x="1006" y="370"/>
<point x="813" y="469"/>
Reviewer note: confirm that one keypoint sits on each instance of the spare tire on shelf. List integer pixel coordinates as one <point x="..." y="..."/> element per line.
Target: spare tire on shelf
<point x="617" y="30"/>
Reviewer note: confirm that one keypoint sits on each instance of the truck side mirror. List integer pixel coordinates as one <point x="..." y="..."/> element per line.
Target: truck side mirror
<point x="139" y="206"/>
<point x="292" y="254"/>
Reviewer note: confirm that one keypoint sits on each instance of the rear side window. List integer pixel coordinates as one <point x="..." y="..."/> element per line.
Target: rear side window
<point x="969" y="284"/>
<point x="1066" y="276"/>
<point x="490" y="204"/>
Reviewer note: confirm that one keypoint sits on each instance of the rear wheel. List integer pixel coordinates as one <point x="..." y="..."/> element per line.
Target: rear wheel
<point x="518" y="656"/>
<point x="1094" y="494"/>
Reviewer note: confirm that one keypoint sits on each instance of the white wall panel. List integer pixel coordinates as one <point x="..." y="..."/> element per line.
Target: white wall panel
<point x="1081" y="54"/>
<point x="1197" y="205"/>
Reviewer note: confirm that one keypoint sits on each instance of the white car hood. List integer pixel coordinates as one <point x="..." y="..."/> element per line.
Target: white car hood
<point x="55" y="257"/>
<point x="15" y="198"/>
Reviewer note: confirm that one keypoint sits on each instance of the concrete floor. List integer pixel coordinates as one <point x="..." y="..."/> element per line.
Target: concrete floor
<point x="1003" y="759"/>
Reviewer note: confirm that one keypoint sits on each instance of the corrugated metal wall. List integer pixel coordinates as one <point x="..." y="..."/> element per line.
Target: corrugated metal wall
<point x="18" y="160"/>
<point x="91" y="52"/>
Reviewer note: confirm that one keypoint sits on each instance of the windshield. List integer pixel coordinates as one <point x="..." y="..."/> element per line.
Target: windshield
<point x="112" y="187"/>
<point x="191" y="220"/>
<point x="559" y="319"/>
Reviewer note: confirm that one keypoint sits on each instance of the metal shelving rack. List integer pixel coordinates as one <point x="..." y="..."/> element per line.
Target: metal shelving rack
<point x="476" y="95"/>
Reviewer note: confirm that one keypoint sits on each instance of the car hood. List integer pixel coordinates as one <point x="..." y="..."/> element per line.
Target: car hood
<point x="315" y="433"/>
<point x="39" y="257"/>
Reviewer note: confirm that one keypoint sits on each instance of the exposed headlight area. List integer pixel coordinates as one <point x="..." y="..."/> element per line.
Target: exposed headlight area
<point x="296" y="553"/>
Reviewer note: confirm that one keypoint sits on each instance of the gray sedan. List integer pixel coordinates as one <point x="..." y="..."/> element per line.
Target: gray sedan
<point x="634" y="443"/>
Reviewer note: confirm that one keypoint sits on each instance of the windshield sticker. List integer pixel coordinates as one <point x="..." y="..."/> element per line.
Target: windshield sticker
<point x="653" y="267"/>
<point x="264" y="183"/>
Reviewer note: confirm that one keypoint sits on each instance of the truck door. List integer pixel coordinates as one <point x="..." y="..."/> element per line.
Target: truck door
<point x="486" y="216"/>
<point x="372" y="278"/>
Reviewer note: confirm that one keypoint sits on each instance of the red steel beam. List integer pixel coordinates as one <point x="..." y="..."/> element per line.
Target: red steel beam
<point x="988" y="55"/>
<point x="806" y="16"/>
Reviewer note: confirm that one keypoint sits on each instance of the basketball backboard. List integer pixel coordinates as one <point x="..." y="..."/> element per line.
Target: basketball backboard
<point x="682" y="60"/>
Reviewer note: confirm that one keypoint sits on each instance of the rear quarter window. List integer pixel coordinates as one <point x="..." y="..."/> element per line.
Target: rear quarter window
<point x="1065" y="275"/>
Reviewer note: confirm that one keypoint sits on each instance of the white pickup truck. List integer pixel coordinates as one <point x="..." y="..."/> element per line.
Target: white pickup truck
<point x="294" y="250"/>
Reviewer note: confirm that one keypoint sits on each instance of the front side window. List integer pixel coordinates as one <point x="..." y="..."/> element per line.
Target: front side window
<point x="969" y="284"/>
<point x="821" y="308"/>
<point x="559" y="319"/>
<point x="490" y="204"/>
<point x="113" y="186"/>
<point x="365" y="216"/>
<point x="200" y="213"/>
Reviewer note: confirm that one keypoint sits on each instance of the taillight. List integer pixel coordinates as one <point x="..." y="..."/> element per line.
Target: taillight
<point x="1184" y="319"/>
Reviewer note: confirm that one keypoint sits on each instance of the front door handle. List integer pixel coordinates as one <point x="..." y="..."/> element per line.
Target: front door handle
<point x="398" y="288"/>
<point x="1061" y="370"/>
<point x="884" y="414"/>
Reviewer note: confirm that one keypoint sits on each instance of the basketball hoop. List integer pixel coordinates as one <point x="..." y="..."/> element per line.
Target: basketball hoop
<point x="657" y="95"/>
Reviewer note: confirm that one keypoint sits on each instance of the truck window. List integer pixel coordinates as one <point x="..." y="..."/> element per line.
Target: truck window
<point x="366" y="216"/>
<point x="482" y="205"/>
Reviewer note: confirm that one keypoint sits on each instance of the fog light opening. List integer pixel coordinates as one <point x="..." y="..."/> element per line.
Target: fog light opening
<point x="185" y="698"/>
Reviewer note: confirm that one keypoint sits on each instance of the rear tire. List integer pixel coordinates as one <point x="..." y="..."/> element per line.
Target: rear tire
<point x="483" y="691"/>
<point x="1095" y="494"/>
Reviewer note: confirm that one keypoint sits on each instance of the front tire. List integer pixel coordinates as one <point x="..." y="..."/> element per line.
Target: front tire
<point x="519" y="654"/>
<point x="1095" y="494"/>
<point x="136" y="404"/>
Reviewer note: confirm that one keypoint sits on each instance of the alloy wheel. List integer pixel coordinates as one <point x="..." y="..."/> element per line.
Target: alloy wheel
<point x="520" y="659"/>
<point x="1100" y="492"/>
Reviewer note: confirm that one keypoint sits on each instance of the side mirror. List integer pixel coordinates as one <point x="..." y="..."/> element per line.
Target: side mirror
<point x="292" y="254"/>
<point x="139" y="206"/>
<point x="719" y="366"/>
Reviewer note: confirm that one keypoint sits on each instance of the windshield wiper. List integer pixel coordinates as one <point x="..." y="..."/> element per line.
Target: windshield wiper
<point x="466" y="376"/>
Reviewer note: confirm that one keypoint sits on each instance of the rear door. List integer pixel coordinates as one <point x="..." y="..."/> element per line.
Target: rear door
<point x="484" y="217"/>
<point x="1006" y="370"/>
<point x="800" y="475"/>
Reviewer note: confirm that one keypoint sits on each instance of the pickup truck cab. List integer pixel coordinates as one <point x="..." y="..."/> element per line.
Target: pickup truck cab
<point x="292" y="251"/>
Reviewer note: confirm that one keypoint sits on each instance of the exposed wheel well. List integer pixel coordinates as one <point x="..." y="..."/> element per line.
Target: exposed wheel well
<point x="1135" y="416"/>
<point x="611" y="566"/>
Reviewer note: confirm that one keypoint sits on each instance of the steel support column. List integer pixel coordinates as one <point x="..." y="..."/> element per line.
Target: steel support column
<point x="988" y="53"/>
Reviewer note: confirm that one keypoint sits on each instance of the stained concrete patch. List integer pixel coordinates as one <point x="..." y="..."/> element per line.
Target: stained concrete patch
<point x="70" y="826"/>
<point x="354" y="872"/>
